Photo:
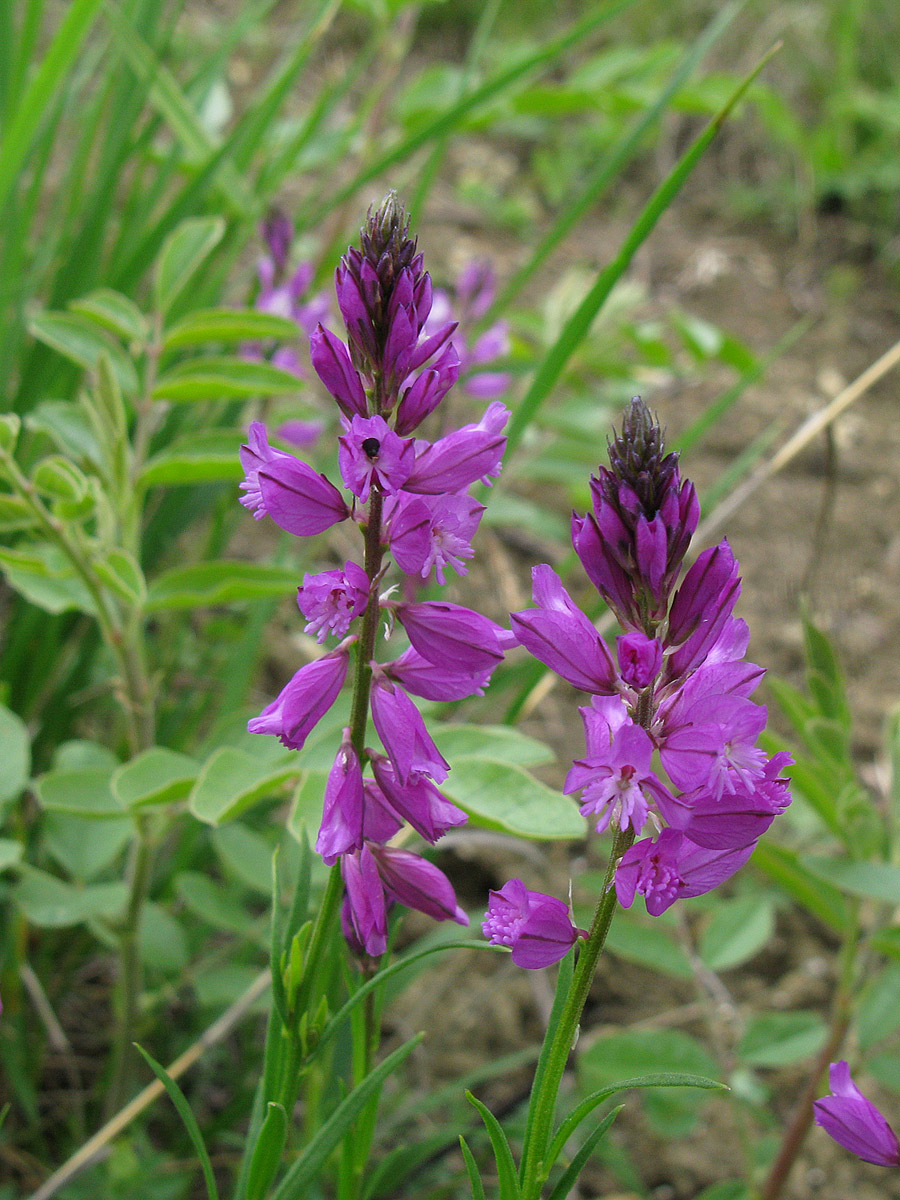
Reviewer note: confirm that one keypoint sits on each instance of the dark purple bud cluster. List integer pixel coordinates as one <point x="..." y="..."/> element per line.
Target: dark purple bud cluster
<point x="680" y="686"/>
<point x="410" y="499"/>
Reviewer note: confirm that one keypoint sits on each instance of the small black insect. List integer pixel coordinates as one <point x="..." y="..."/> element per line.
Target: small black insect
<point x="371" y="447"/>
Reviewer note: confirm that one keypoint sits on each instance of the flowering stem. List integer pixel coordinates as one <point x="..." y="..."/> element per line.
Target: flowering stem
<point x="365" y="649"/>
<point x="543" y="1104"/>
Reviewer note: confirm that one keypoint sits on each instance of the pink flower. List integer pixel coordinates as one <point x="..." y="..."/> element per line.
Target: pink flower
<point x="536" y="927"/>
<point x="855" y="1122"/>
<point x="304" y="701"/>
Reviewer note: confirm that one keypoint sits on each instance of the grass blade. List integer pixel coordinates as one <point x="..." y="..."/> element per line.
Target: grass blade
<point x="577" y="327"/>
<point x="472" y="1170"/>
<point x="587" y="1106"/>
<point x="508" y="1178"/>
<point x="569" y="1177"/>
<point x="448" y="120"/>
<point x="177" y="1097"/>
<point x="611" y="167"/>
<point x="307" y="1168"/>
<point x="563" y="982"/>
<point x="21" y="130"/>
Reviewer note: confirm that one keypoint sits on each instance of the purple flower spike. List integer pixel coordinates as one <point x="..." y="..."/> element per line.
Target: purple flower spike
<point x="455" y="462"/>
<point x="563" y="638"/>
<point x="403" y="733"/>
<point x="371" y="452"/>
<point x="449" y="635"/>
<point x="331" y="362"/>
<point x="304" y="701"/>
<point x="418" y="884"/>
<point x="419" y="802"/>
<point x="854" y="1122"/>
<point x="366" y="911"/>
<point x="331" y="600"/>
<point x="342" y="819"/>
<point x="536" y="927"/>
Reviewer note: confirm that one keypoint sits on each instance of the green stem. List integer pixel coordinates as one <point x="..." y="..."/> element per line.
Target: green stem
<point x="129" y="982"/>
<point x="543" y="1103"/>
<point x="365" y="650"/>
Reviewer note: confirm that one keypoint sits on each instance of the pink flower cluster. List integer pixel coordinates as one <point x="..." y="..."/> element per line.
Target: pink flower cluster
<point x="678" y="689"/>
<point x="410" y="499"/>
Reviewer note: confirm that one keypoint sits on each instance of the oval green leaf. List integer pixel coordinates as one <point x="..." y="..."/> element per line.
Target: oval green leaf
<point x="499" y="795"/>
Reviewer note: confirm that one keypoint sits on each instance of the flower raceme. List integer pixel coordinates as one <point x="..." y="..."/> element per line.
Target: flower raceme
<point x="410" y="499"/>
<point x="679" y="691"/>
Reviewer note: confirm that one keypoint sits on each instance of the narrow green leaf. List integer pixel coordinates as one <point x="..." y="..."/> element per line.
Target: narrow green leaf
<point x="176" y="1095"/>
<point x="578" y="326"/>
<point x="307" y="1169"/>
<point x="122" y="574"/>
<point x="31" y="110"/>
<point x="396" y="967"/>
<point x="155" y="777"/>
<point x="199" y="458"/>
<point x="500" y="795"/>
<point x="224" y="378"/>
<point x="45" y="576"/>
<point x="267" y="1152"/>
<point x="784" y="868"/>
<point x="507" y="1177"/>
<point x="15" y="754"/>
<point x="872" y="880"/>
<point x="569" y="1177"/>
<point x="451" y="117"/>
<point x="229" y="325"/>
<point x="231" y="781"/>
<point x="80" y="340"/>
<point x="183" y="252"/>
<point x="612" y="164"/>
<point x="172" y="104"/>
<point x="471" y="1170"/>
<point x="659" y="1079"/>
<point x="114" y="312"/>
<point x="563" y="983"/>
<point x="673" y="1111"/>
<point x="206" y="584"/>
